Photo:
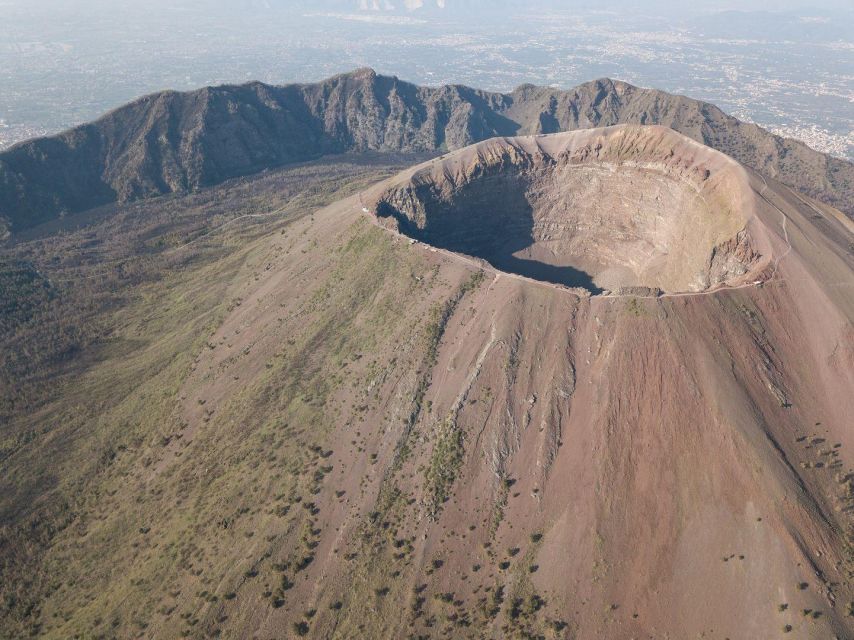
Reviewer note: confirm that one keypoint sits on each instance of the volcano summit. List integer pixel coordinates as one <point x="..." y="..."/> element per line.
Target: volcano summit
<point x="603" y="209"/>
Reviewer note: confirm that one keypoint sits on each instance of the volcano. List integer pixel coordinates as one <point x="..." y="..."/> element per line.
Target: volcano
<point x="596" y="384"/>
<point x="638" y="419"/>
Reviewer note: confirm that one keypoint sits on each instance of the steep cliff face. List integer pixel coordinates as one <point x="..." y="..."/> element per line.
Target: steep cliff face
<point x="174" y="142"/>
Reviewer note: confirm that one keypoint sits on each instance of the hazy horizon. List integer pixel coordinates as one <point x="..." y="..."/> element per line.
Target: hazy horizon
<point x="64" y="63"/>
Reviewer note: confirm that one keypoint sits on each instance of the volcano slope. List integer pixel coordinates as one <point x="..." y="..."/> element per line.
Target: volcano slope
<point x="351" y="434"/>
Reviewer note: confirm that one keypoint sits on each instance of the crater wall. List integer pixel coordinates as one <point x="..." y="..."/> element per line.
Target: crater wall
<point x="603" y="209"/>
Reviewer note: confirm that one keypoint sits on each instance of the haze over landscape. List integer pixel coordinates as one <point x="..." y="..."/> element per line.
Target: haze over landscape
<point x="426" y="319"/>
<point x="785" y="65"/>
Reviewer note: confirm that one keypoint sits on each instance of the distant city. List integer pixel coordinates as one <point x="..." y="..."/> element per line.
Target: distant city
<point x="792" y="72"/>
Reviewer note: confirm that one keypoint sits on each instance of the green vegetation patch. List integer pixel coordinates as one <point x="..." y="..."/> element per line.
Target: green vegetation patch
<point x="445" y="463"/>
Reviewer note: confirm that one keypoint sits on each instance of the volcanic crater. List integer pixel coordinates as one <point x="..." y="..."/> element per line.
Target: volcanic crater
<point x="607" y="210"/>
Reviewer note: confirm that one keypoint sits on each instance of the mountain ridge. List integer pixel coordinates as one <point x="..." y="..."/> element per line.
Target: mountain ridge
<point x="176" y="142"/>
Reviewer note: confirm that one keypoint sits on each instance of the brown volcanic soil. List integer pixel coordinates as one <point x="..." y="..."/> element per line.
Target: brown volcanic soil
<point x="387" y="439"/>
<point x="625" y="206"/>
<point x="607" y="466"/>
<point x="672" y="467"/>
